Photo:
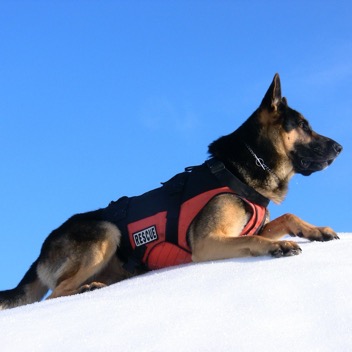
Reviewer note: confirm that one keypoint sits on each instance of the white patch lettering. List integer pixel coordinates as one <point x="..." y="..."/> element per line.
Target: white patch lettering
<point x="145" y="236"/>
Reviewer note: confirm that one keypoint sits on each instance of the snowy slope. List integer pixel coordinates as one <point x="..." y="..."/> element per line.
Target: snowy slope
<point x="301" y="303"/>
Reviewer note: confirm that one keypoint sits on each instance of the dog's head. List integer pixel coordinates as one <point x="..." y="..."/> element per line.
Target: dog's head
<point x="273" y="144"/>
<point x="292" y="135"/>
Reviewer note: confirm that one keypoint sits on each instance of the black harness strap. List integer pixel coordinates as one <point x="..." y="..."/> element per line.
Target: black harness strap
<point x="218" y="169"/>
<point x="175" y="188"/>
<point x="117" y="212"/>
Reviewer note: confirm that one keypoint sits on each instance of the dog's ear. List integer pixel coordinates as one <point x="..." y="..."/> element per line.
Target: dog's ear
<point x="272" y="97"/>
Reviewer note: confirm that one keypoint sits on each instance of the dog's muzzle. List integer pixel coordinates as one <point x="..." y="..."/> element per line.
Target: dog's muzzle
<point x="315" y="156"/>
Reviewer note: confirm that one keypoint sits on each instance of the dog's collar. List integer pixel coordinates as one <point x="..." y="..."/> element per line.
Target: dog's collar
<point x="260" y="163"/>
<point x="218" y="169"/>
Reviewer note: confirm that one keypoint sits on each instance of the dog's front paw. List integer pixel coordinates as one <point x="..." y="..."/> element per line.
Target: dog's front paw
<point x="321" y="234"/>
<point x="285" y="249"/>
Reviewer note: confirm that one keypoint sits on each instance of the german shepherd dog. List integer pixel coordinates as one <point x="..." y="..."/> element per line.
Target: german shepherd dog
<point x="273" y="144"/>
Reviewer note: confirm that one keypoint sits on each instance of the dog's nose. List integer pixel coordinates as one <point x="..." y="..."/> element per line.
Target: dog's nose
<point x="337" y="147"/>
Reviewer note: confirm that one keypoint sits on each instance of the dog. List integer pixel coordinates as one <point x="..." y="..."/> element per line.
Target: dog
<point x="213" y="211"/>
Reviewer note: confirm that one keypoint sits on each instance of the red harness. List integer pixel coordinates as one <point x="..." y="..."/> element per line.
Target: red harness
<point x="151" y="231"/>
<point x="154" y="225"/>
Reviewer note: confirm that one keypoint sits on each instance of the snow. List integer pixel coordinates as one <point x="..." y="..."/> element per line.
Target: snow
<point x="301" y="303"/>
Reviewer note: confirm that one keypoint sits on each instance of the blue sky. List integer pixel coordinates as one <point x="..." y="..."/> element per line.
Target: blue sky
<point x="100" y="99"/>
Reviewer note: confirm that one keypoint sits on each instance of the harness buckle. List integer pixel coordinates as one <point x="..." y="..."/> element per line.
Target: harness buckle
<point x="215" y="166"/>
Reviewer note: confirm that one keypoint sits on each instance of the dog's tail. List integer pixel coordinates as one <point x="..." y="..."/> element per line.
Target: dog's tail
<point x="29" y="290"/>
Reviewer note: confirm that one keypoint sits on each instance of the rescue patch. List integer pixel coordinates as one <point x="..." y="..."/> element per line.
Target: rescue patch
<point x="145" y="236"/>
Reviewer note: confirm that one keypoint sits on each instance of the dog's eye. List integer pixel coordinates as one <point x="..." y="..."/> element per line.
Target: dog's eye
<point x="304" y="125"/>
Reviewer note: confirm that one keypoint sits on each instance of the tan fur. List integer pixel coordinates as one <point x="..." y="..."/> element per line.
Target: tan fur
<point x="215" y="248"/>
<point x="292" y="224"/>
<point x="80" y="267"/>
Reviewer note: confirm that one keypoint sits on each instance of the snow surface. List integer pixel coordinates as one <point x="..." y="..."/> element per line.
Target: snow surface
<point x="301" y="303"/>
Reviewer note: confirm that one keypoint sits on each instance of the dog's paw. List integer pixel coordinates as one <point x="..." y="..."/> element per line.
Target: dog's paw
<point x="91" y="287"/>
<point x="285" y="249"/>
<point x="328" y="234"/>
<point x="321" y="234"/>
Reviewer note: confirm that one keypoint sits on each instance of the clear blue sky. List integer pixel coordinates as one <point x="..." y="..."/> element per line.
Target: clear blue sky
<point x="100" y="99"/>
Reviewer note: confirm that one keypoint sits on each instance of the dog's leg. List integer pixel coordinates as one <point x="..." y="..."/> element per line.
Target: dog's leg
<point x="112" y="273"/>
<point x="85" y="262"/>
<point x="214" y="248"/>
<point x="72" y="285"/>
<point x="290" y="224"/>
